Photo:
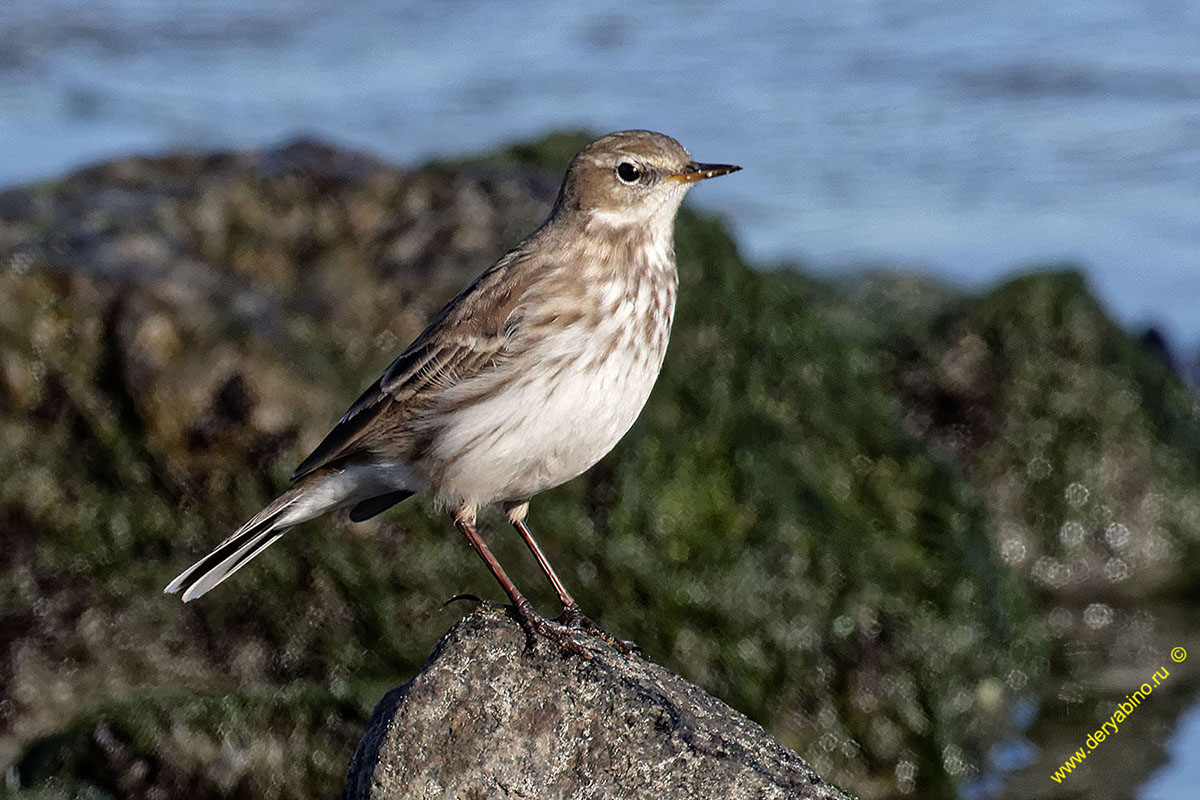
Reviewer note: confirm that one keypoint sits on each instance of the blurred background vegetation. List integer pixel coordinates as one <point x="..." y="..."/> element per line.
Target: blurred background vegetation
<point x="923" y="536"/>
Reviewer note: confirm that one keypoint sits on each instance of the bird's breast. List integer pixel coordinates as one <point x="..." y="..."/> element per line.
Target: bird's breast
<point x="568" y="397"/>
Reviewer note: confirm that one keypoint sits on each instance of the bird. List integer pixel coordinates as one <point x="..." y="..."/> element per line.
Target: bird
<point x="523" y="381"/>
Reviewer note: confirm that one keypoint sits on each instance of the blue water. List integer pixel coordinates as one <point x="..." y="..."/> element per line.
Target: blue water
<point x="1181" y="777"/>
<point x="967" y="138"/>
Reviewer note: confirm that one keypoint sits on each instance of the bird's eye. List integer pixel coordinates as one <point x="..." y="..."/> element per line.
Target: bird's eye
<point x="628" y="173"/>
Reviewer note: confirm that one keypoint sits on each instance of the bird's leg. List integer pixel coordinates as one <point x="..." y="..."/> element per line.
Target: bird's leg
<point x="532" y="622"/>
<point x="516" y="515"/>
<point x="466" y="526"/>
<point x="572" y="615"/>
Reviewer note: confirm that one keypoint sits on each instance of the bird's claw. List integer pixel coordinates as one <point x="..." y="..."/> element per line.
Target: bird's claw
<point x="561" y="630"/>
<point x="536" y="625"/>
<point x="573" y="617"/>
<point x="474" y="598"/>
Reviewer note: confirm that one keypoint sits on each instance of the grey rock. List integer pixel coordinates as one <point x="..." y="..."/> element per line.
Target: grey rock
<point x="488" y="717"/>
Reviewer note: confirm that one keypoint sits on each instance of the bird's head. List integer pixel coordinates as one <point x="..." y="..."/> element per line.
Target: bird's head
<point x="632" y="178"/>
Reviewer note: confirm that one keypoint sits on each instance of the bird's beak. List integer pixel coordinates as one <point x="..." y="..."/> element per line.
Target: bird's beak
<point x="699" y="172"/>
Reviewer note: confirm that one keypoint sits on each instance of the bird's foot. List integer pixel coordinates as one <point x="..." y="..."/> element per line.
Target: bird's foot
<point x="573" y="617"/>
<point x="535" y="625"/>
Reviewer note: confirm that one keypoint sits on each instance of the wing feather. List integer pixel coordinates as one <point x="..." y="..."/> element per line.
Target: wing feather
<point x="472" y="334"/>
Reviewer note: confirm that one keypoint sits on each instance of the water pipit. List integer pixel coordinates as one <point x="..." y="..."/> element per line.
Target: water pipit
<point x="522" y="382"/>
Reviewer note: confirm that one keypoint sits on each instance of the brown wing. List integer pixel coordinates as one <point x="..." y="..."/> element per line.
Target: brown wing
<point x="467" y="337"/>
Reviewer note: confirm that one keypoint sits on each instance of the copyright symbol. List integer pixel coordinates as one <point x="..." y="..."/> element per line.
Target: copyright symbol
<point x="1178" y="654"/>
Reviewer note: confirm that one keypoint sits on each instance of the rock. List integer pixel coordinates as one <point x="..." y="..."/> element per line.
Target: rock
<point x="488" y="717"/>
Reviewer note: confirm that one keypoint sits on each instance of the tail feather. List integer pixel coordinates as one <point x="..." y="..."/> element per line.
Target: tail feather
<point x="313" y="495"/>
<point x="215" y="568"/>
<point x="229" y="556"/>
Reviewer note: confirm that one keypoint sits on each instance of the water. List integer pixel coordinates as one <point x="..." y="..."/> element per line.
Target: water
<point x="1178" y="779"/>
<point x="967" y="138"/>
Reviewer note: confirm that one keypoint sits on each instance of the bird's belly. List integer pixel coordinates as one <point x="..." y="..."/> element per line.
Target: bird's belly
<point x="547" y="425"/>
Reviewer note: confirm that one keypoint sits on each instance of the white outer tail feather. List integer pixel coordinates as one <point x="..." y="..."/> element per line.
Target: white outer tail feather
<point x="315" y="494"/>
<point x="248" y="541"/>
<point x="308" y="499"/>
<point x="231" y="564"/>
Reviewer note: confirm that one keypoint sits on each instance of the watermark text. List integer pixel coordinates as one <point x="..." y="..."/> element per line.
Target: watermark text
<point x="1113" y="724"/>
